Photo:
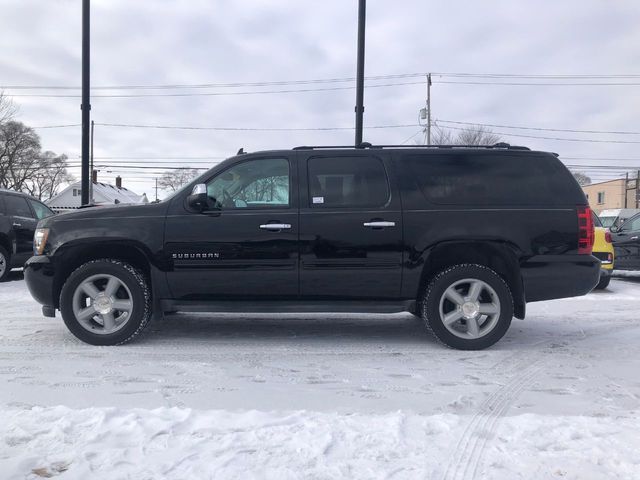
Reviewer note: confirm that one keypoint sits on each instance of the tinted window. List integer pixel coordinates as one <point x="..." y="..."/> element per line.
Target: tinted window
<point x="42" y="211"/>
<point x="632" y="224"/>
<point x="486" y="179"/>
<point x="17" y="206"/>
<point x="253" y="184"/>
<point x="347" y="182"/>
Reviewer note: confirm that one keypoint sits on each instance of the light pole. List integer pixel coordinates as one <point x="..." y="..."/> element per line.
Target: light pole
<point x="362" y="6"/>
<point x="86" y="105"/>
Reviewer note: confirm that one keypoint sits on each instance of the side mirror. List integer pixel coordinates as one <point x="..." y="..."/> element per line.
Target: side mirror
<point x="198" y="199"/>
<point x="614" y="229"/>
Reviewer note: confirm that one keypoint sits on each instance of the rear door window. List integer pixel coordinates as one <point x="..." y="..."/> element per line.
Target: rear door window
<point x="17" y="206"/>
<point x="485" y="179"/>
<point x="347" y="182"/>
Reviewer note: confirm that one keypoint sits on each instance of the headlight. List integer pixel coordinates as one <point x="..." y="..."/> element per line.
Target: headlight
<point x="40" y="240"/>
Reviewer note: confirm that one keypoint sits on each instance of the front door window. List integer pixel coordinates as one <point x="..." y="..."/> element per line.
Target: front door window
<point x="255" y="184"/>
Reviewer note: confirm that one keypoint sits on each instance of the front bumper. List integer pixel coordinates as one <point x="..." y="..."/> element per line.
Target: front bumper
<point x="39" y="276"/>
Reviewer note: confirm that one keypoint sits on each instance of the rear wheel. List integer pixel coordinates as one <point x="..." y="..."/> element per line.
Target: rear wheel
<point x="468" y="307"/>
<point x="106" y="302"/>
<point x="603" y="283"/>
<point x="5" y="264"/>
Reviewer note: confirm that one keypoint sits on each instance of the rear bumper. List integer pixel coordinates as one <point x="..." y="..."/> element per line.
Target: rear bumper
<point x="39" y="277"/>
<point x="605" y="272"/>
<point x="546" y="277"/>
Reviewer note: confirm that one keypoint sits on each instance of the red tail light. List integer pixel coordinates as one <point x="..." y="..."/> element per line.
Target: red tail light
<point x="607" y="237"/>
<point x="586" y="233"/>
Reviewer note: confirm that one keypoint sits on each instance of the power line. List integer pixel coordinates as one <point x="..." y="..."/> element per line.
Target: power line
<point x="548" y="84"/>
<point x="615" y="132"/>
<point x="251" y="129"/>
<point x="57" y="126"/>
<point x="215" y="94"/>
<point x="329" y="80"/>
<point x="215" y="85"/>
<point x="563" y="139"/>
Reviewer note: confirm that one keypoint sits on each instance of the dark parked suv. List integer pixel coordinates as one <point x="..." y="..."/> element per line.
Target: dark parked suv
<point x="461" y="236"/>
<point x="19" y="215"/>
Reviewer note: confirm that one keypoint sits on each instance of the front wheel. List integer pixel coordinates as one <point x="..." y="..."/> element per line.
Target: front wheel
<point x="5" y="264"/>
<point x="468" y="307"/>
<point x="106" y="302"/>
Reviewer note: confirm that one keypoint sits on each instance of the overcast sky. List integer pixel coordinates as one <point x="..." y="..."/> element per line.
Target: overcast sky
<point x="160" y="42"/>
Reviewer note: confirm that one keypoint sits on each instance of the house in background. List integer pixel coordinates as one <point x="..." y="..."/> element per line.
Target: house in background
<point x="102" y="193"/>
<point x="620" y="193"/>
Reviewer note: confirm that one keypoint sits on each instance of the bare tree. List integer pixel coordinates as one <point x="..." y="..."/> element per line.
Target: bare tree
<point x="19" y="154"/>
<point x="23" y="166"/>
<point x="582" y="178"/>
<point x="52" y="173"/>
<point x="7" y="109"/>
<point x="472" y="135"/>
<point x="174" y="180"/>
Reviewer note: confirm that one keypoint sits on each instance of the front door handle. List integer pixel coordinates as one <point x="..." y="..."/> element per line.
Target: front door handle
<point x="17" y="225"/>
<point x="275" y="226"/>
<point x="380" y="224"/>
<point x="634" y="238"/>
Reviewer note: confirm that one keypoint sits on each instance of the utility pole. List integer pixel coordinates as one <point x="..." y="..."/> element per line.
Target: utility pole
<point x="626" y="188"/>
<point x="362" y="5"/>
<point x="156" y="189"/>
<point x="86" y="105"/>
<point x="429" y="109"/>
<point x="91" y="167"/>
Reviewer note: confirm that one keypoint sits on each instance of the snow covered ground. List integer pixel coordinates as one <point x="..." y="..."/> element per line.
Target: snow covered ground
<point x="324" y="396"/>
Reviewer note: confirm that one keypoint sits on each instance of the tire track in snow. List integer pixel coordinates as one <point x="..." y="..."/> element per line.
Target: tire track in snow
<point x="469" y="450"/>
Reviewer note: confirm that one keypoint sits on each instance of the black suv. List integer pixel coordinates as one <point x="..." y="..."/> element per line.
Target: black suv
<point x="626" y="241"/>
<point x="461" y="236"/>
<point x="19" y="215"/>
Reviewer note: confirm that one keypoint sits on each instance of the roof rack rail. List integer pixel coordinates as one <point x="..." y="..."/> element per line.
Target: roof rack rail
<point x="500" y="145"/>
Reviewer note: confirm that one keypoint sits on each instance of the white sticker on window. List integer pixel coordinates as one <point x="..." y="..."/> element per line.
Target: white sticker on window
<point x="317" y="199"/>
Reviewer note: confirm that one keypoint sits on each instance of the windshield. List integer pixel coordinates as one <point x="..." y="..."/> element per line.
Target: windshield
<point x="607" y="221"/>
<point x="596" y="219"/>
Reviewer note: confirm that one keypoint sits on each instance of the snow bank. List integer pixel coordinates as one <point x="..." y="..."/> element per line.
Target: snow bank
<point x="179" y="443"/>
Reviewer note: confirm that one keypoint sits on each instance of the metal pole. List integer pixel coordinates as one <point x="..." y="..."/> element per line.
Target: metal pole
<point x="637" y="200"/>
<point x="156" y="189"/>
<point x="429" y="109"/>
<point x="86" y="105"/>
<point x="362" y="5"/>
<point x="626" y="188"/>
<point x="91" y="167"/>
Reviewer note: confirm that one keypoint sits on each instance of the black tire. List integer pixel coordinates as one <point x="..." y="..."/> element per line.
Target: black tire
<point x="6" y="258"/>
<point x="603" y="283"/>
<point x="134" y="280"/>
<point x="436" y="290"/>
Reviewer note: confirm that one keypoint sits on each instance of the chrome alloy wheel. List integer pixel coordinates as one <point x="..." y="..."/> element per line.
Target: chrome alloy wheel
<point x="470" y="308"/>
<point x="102" y="304"/>
<point x="3" y="264"/>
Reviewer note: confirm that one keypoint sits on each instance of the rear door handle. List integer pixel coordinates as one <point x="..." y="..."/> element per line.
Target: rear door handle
<point x="275" y="226"/>
<point x="634" y="238"/>
<point x="380" y="224"/>
<point x="17" y="225"/>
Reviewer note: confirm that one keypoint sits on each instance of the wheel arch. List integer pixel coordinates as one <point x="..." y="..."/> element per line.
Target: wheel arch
<point x="6" y="243"/>
<point x="499" y="256"/>
<point x="72" y="256"/>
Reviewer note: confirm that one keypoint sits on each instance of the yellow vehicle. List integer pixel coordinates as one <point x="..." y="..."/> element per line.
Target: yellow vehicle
<point x="603" y="250"/>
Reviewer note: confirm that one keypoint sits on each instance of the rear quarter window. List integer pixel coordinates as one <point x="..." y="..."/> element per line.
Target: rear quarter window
<point x="486" y="179"/>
